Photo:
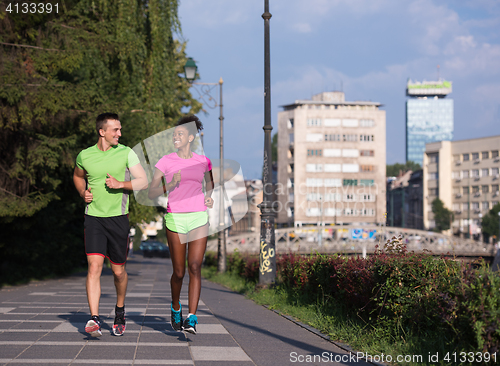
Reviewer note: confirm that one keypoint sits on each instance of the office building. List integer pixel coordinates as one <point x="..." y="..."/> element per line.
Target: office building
<point x="331" y="161"/>
<point x="429" y="116"/>
<point x="465" y="176"/>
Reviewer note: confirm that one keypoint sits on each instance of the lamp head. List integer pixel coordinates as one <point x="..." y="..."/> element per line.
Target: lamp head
<point x="190" y="69"/>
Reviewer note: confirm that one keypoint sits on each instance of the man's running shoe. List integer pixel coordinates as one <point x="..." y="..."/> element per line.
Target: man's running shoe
<point x="93" y="326"/>
<point x="190" y="324"/>
<point x="176" y="318"/>
<point x="119" y="325"/>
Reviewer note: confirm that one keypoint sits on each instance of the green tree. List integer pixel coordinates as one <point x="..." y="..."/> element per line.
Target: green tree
<point x="442" y="216"/>
<point x="393" y="170"/>
<point x="490" y="222"/>
<point x="57" y="72"/>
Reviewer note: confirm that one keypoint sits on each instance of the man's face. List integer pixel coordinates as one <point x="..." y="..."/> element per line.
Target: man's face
<point x="112" y="131"/>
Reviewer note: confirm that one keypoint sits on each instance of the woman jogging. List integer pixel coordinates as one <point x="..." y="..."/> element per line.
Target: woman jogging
<point x="187" y="217"/>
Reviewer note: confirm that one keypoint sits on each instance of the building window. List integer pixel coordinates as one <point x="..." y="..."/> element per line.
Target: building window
<point x="485" y="155"/>
<point x="494" y="172"/>
<point x="314" y="168"/>
<point x="350" y="138"/>
<point x="475" y="156"/>
<point x="465" y="206"/>
<point x="433" y="176"/>
<point x="366" y="153"/>
<point x="465" y="173"/>
<point x="349" y="122"/>
<point x="494" y="188"/>
<point x="350" y="212"/>
<point x="350" y="153"/>
<point x="456" y="207"/>
<point x="313" y="122"/>
<point x="333" y="168"/>
<point x="455" y="174"/>
<point x="366" y="138"/>
<point x="350" y="182"/>
<point x="333" y="182"/>
<point x="313" y="197"/>
<point x="433" y="158"/>
<point x="332" y="122"/>
<point x="465" y="190"/>
<point x="485" y="172"/>
<point x="475" y="206"/>
<point x="333" y="197"/>
<point x="313" y="211"/>
<point x="367" y="212"/>
<point x="350" y="168"/>
<point x="367" y="168"/>
<point x="314" y="137"/>
<point x="475" y="189"/>
<point x="366" y="122"/>
<point x="465" y="157"/>
<point x="456" y="158"/>
<point x="434" y="191"/>
<point x="290" y="123"/>
<point x="311" y="152"/>
<point x="332" y="137"/>
<point x="350" y="197"/>
<point x="366" y="182"/>
<point x="290" y="138"/>
<point x="367" y="198"/>
<point x="485" y="206"/>
<point x="475" y="173"/>
<point x="289" y="183"/>
<point x="314" y="182"/>
<point x="485" y="189"/>
<point x="494" y="154"/>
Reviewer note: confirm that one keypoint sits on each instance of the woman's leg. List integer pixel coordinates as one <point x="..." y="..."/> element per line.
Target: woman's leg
<point x="178" y="257"/>
<point x="196" y="251"/>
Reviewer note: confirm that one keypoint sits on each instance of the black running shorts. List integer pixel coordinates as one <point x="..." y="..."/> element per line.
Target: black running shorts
<point x="107" y="237"/>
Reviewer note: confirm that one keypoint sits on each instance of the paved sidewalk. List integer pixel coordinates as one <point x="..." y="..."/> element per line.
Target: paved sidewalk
<point x="43" y="324"/>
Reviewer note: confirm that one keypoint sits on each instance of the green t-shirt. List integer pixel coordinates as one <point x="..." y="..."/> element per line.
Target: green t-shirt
<point x="116" y="161"/>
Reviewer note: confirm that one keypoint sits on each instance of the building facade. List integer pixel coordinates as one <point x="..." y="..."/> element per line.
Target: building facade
<point x="405" y="200"/>
<point x="331" y="161"/>
<point x="465" y="176"/>
<point x="429" y="116"/>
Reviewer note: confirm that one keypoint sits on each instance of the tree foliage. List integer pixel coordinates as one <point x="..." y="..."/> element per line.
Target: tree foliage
<point x="393" y="170"/>
<point x="442" y="216"/>
<point x="490" y="223"/>
<point x="58" y="71"/>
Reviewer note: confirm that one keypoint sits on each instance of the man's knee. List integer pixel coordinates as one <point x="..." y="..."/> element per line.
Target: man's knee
<point x="119" y="272"/>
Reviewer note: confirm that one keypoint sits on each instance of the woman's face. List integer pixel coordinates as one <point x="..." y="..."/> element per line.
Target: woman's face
<point x="181" y="137"/>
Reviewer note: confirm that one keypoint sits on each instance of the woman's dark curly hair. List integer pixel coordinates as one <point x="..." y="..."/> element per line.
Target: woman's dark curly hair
<point x="193" y="128"/>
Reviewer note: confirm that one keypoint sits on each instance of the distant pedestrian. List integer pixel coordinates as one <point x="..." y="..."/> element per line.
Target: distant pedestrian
<point x="131" y="247"/>
<point x="187" y="217"/>
<point x="102" y="178"/>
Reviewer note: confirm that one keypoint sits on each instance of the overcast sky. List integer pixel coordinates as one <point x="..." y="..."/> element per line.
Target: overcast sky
<point x="368" y="47"/>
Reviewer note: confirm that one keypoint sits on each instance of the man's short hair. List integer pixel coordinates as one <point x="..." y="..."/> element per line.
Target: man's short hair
<point x="102" y="119"/>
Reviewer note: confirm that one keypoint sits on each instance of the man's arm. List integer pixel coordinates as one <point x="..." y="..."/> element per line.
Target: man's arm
<point x="81" y="185"/>
<point x="139" y="182"/>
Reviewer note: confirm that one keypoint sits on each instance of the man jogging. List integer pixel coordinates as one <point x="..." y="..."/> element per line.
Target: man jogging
<point x="103" y="179"/>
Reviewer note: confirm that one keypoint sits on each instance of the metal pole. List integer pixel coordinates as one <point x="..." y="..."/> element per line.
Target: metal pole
<point x="221" y="242"/>
<point x="267" y="256"/>
<point x="468" y="207"/>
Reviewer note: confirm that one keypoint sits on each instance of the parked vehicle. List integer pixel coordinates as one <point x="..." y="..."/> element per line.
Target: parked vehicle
<point x="154" y="249"/>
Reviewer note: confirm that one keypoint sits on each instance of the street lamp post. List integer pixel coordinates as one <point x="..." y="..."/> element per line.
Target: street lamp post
<point x="190" y="74"/>
<point x="267" y="256"/>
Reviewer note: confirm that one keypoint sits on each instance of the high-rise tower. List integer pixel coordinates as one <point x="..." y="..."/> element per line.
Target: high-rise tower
<point x="429" y="116"/>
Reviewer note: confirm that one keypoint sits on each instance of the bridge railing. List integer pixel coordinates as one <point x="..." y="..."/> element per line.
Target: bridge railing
<point x="356" y="241"/>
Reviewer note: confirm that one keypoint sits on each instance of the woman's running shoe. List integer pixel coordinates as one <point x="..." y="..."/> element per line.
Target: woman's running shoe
<point x="93" y="326"/>
<point x="176" y="317"/>
<point x="190" y="324"/>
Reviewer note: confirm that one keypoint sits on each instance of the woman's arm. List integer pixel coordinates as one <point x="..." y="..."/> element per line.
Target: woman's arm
<point x="155" y="189"/>
<point x="209" y="185"/>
